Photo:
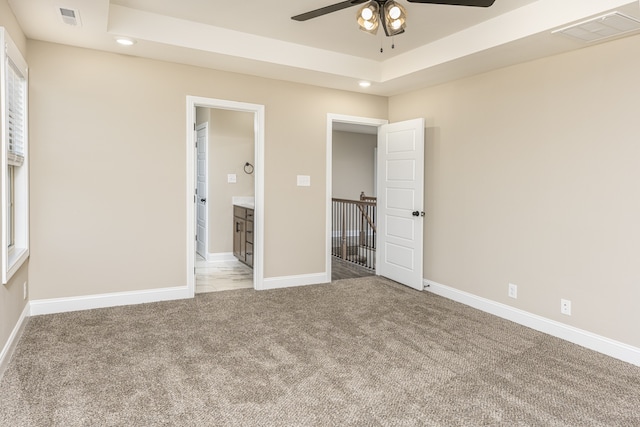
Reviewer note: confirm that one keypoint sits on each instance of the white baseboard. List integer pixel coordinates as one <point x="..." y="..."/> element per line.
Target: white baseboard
<point x="221" y="257"/>
<point x="291" y="281"/>
<point x="581" y="337"/>
<point x="12" y="342"/>
<point x="88" y="302"/>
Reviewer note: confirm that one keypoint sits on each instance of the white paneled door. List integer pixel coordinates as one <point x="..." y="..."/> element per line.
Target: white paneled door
<point x="201" y="190"/>
<point x="400" y="202"/>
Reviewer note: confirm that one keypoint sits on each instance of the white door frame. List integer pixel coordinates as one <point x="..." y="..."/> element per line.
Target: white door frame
<point x="331" y="119"/>
<point x="258" y="230"/>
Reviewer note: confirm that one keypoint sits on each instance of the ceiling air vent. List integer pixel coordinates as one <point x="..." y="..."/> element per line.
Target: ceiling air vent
<point x="70" y="16"/>
<point x="601" y="27"/>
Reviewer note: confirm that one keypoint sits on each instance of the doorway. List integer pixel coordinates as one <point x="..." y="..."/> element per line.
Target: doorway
<point x="343" y="186"/>
<point x="224" y="180"/>
<point x="207" y="204"/>
<point x="400" y="204"/>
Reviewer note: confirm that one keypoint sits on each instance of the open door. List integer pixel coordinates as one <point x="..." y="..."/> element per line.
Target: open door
<point x="401" y="202"/>
<point x="201" y="190"/>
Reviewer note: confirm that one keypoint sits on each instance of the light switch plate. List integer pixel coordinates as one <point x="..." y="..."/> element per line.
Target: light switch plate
<point x="231" y="178"/>
<point x="304" y="181"/>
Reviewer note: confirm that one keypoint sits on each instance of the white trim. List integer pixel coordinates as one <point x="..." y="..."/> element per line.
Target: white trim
<point x="221" y="257"/>
<point x="581" y="337"/>
<point x="89" y="302"/>
<point x="340" y="118"/>
<point x="12" y="341"/>
<point x="258" y="221"/>
<point x="292" y="281"/>
<point x="10" y="263"/>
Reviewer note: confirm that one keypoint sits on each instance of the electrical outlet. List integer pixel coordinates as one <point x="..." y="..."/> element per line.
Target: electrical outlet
<point x="565" y="307"/>
<point x="513" y="291"/>
<point x="24" y="290"/>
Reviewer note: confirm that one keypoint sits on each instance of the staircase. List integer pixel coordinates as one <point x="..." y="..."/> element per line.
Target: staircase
<point x="354" y="230"/>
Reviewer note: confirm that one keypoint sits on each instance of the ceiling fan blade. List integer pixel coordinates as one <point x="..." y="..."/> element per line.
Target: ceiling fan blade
<point x="327" y="9"/>
<point x="478" y="3"/>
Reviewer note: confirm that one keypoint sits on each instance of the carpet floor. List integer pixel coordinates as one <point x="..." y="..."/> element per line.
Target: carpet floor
<point x="357" y="352"/>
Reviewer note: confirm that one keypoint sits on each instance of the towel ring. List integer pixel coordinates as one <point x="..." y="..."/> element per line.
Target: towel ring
<point x="248" y="168"/>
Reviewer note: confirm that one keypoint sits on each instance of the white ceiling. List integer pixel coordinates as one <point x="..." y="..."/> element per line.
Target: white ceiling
<point x="258" y="37"/>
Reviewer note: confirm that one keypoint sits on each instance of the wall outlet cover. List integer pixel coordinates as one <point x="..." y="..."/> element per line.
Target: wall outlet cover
<point x="304" y="181"/>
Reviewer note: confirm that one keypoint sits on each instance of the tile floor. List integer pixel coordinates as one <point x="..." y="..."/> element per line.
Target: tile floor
<point x="222" y="275"/>
<point x="216" y="276"/>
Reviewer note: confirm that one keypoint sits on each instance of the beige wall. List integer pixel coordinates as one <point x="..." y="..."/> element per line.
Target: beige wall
<point x="9" y="22"/>
<point x="12" y="302"/>
<point x="353" y="164"/>
<point x="202" y="115"/>
<point x="109" y="176"/>
<point x="231" y="145"/>
<point x="532" y="178"/>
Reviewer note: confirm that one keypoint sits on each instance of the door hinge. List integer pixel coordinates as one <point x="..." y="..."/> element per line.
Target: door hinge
<point x="194" y="126"/>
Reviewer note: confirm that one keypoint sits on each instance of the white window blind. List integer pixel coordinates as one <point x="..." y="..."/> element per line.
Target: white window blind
<point x="15" y="98"/>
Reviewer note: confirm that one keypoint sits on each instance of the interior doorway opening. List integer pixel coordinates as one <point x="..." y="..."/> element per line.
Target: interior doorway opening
<point x="351" y="195"/>
<point x="211" y="198"/>
<point x="400" y="228"/>
<point x="225" y="188"/>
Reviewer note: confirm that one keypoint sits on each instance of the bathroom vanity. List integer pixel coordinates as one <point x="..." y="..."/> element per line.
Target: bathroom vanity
<point x="243" y="233"/>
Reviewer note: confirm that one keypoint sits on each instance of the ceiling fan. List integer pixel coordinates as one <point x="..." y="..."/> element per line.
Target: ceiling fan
<point x="388" y="13"/>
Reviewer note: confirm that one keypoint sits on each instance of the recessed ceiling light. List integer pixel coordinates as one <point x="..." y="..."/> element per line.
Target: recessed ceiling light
<point x="364" y="84"/>
<point x="124" y="41"/>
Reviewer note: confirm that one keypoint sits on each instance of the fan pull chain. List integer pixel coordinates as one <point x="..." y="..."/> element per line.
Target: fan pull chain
<point x="393" y="44"/>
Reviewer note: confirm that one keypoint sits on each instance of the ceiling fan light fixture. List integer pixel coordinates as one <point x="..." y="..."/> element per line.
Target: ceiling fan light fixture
<point x="368" y="17"/>
<point x="394" y="12"/>
<point x="395" y="18"/>
<point x="366" y="13"/>
<point x="369" y="26"/>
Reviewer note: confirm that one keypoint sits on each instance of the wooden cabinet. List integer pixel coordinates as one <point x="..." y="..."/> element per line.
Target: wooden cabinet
<point x="243" y="234"/>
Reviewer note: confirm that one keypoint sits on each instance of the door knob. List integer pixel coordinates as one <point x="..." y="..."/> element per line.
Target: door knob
<point x="203" y="200"/>
<point x="417" y="213"/>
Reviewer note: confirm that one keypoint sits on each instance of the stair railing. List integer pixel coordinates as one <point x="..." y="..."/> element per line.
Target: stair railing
<point x="354" y="230"/>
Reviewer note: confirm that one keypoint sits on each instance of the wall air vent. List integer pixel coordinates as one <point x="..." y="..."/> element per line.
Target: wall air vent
<point x="602" y="27"/>
<point x="70" y="16"/>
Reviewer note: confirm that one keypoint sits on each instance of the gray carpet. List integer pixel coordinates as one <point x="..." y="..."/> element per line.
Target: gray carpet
<point x="362" y="352"/>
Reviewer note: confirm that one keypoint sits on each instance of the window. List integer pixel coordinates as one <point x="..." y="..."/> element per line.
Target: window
<point x="15" y="173"/>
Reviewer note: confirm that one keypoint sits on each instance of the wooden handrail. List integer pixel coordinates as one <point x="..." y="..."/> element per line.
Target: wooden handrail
<point x="364" y="198"/>
<point x="367" y="217"/>
<point x="360" y="205"/>
<point x="364" y="203"/>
